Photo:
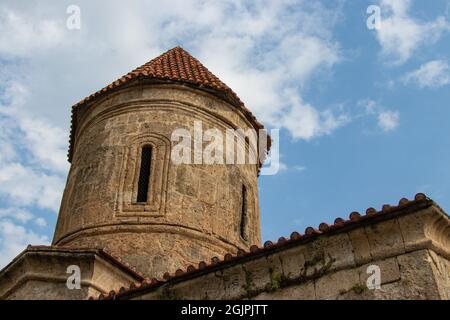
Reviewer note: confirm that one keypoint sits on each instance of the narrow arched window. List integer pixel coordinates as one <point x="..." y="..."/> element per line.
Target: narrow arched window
<point x="244" y="217"/>
<point x="144" y="174"/>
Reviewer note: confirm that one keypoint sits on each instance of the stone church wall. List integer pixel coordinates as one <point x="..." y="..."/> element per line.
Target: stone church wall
<point x="410" y="250"/>
<point x="195" y="209"/>
<point x="40" y="273"/>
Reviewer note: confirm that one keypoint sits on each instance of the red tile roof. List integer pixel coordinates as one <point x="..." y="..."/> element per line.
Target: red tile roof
<point x="175" y="65"/>
<point x="355" y="220"/>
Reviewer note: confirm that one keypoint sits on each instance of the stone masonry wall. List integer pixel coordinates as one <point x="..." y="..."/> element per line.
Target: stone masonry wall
<point x="194" y="211"/>
<point x="412" y="251"/>
<point x="41" y="273"/>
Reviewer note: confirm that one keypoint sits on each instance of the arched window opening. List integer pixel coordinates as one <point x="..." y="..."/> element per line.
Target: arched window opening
<point x="244" y="217"/>
<point x="144" y="174"/>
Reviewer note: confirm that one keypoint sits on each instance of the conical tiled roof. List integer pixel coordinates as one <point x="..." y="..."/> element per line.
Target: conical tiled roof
<point x="175" y="65"/>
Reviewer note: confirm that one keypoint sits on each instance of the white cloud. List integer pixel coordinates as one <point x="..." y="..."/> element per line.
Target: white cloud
<point x="370" y="106"/>
<point x="269" y="53"/>
<point x="401" y="35"/>
<point x="388" y="120"/>
<point x="306" y="122"/>
<point x="33" y="164"/>
<point x="41" y="222"/>
<point x="285" y="168"/>
<point x="18" y="214"/>
<point x="22" y="36"/>
<point x="432" y="74"/>
<point x="14" y="239"/>
<point x="47" y="143"/>
<point x="22" y="185"/>
<point x="269" y="79"/>
<point x="258" y="49"/>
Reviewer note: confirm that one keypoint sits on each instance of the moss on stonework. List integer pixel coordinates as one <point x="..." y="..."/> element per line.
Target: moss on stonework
<point x="328" y="264"/>
<point x="318" y="259"/>
<point x="357" y="289"/>
<point x="277" y="280"/>
<point x="248" y="281"/>
<point x="321" y="263"/>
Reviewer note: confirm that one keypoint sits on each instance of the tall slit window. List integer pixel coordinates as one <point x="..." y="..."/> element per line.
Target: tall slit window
<point x="144" y="174"/>
<point x="244" y="216"/>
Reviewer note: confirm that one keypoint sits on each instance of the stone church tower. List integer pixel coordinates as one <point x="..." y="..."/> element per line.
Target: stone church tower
<point x="134" y="224"/>
<point x="124" y="193"/>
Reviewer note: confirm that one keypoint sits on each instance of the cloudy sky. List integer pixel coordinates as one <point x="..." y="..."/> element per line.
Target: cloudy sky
<point x="363" y="112"/>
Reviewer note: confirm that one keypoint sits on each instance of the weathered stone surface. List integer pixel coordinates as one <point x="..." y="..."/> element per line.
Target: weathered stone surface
<point x="293" y="263"/>
<point x="331" y="285"/>
<point x="337" y="249"/>
<point x="389" y="269"/>
<point x="296" y="273"/>
<point x="385" y="238"/>
<point x="194" y="212"/>
<point x="99" y="205"/>
<point x="209" y="287"/>
<point x="441" y="271"/>
<point x="41" y="274"/>
<point x="413" y="231"/>
<point x="327" y="253"/>
<point x="426" y="229"/>
<point x="235" y="282"/>
<point x="417" y="278"/>
<point x="360" y="244"/>
<point x="263" y="274"/>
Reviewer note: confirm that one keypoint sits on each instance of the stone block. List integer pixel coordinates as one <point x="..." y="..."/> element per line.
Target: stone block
<point x="234" y="278"/>
<point x="293" y="263"/>
<point x="360" y="244"/>
<point x="417" y="278"/>
<point x="328" y="253"/>
<point x="209" y="286"/>
<point x="385" y="239"/>
<point x="263" y="274"/>
<point x="389" y="271"/>
<point x="412" y="227"/>
<point x="330" y="286"/>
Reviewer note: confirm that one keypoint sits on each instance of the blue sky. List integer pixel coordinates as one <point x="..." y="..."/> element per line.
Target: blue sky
<point x="363" y="113"/>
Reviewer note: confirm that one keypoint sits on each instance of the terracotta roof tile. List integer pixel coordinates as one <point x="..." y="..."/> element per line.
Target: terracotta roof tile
<point x="355" y="220"/>
<point x="175" y="65"/>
